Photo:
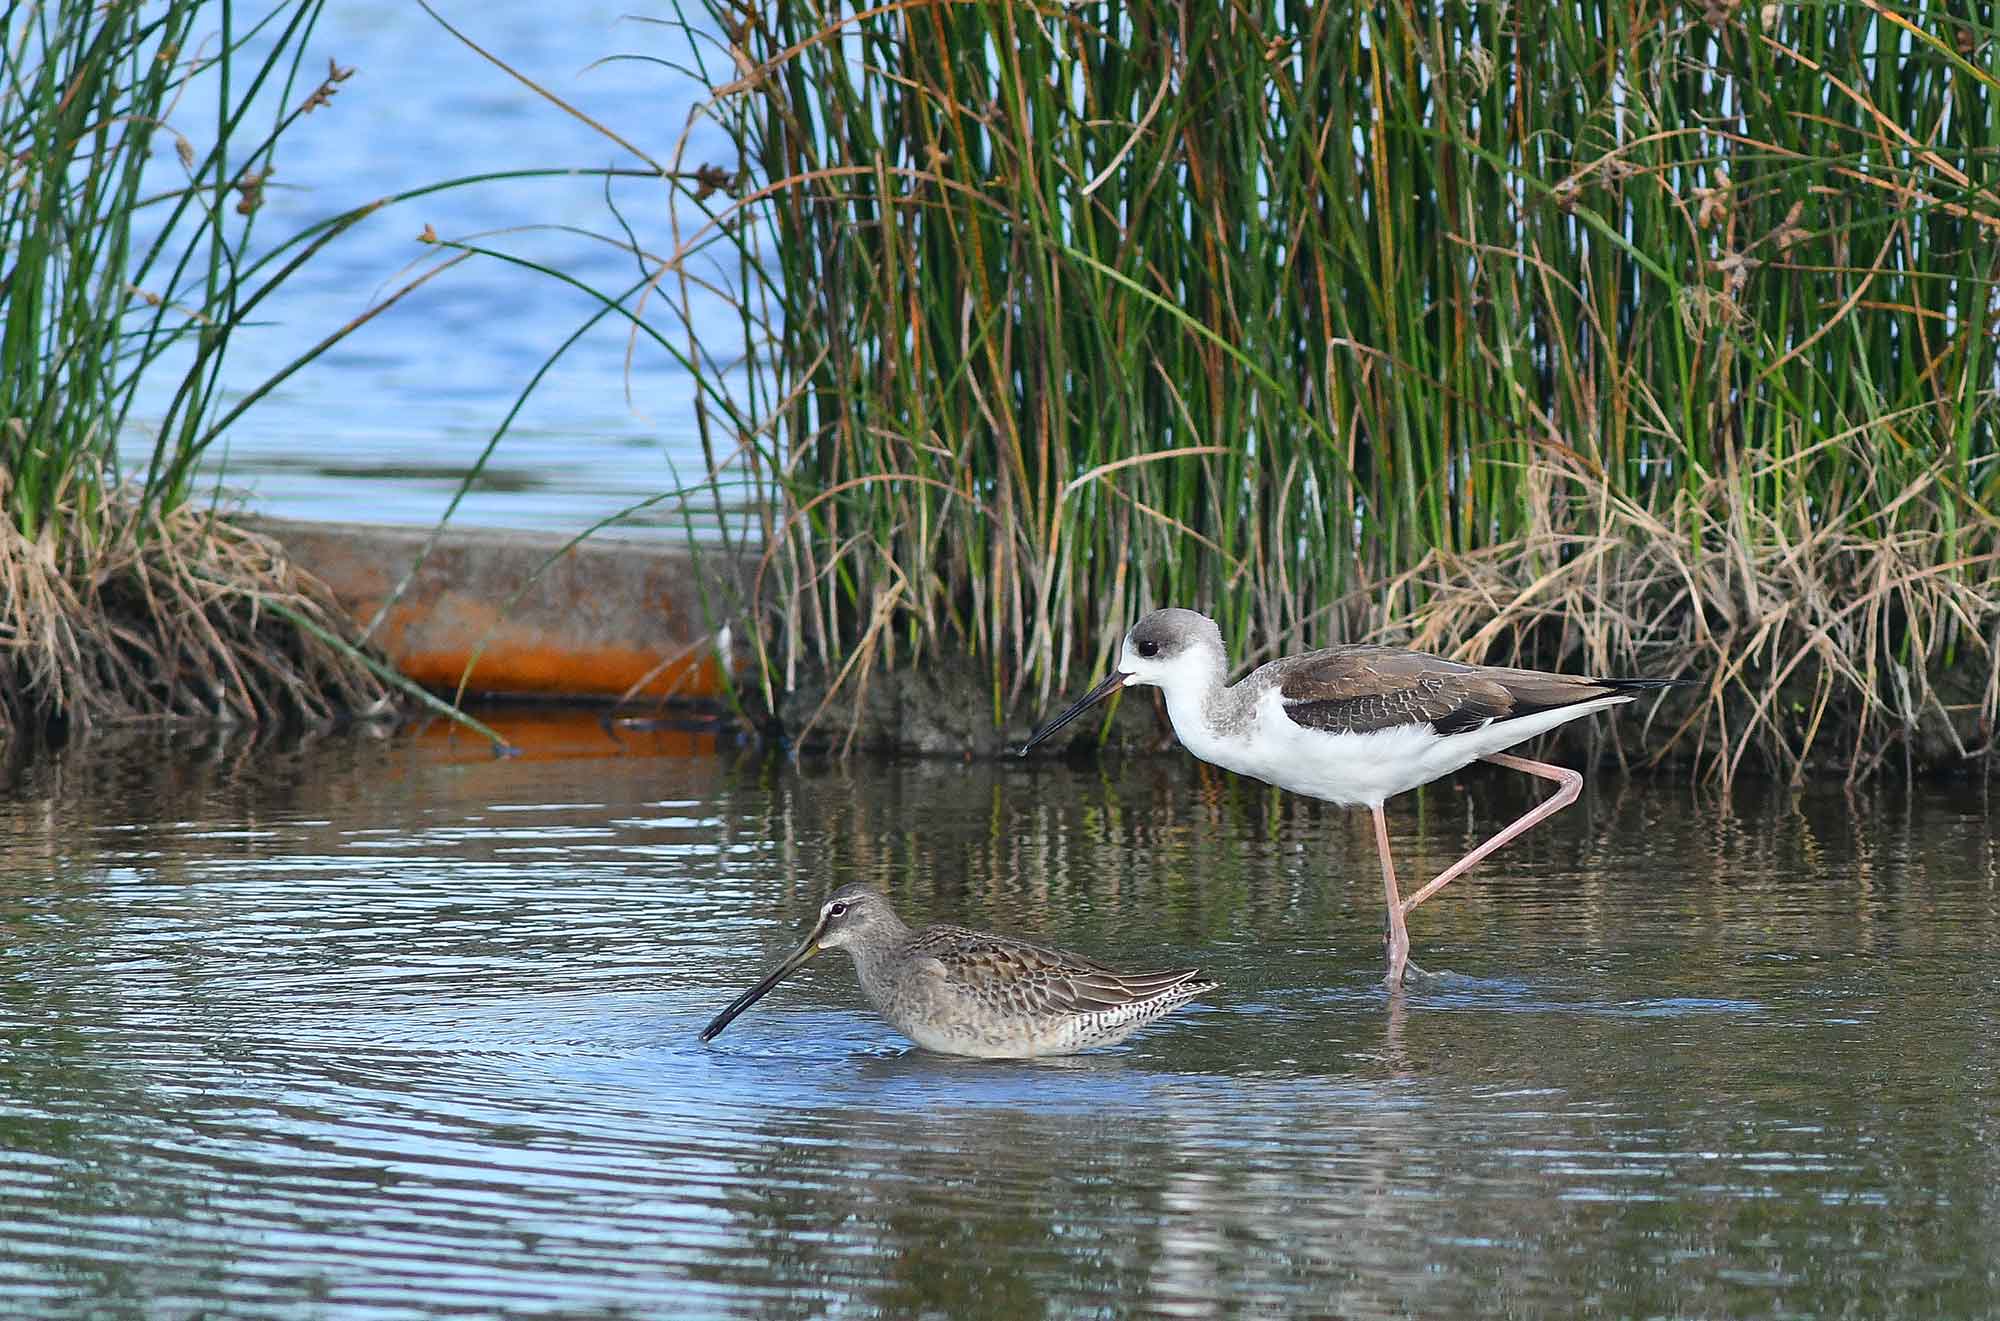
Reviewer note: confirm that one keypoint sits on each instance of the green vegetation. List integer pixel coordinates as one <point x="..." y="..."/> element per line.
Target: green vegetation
<point x="1610" y="338"/>
<point x="126" y="256"/>
<point x="1663" y="340"/>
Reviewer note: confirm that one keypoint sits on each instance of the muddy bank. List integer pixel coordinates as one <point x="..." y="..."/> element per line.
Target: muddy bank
<point x="524" y="614"/>
<point x="946" y="709"/>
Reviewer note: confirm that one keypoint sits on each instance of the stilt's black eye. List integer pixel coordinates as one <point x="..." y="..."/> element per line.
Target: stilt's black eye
<point x="836" y="910"/>
<point x="1149" y="648"/>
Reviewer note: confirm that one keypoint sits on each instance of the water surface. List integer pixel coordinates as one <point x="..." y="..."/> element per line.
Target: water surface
<point x="363" y="1027"/>
<point x="387" y="425"/>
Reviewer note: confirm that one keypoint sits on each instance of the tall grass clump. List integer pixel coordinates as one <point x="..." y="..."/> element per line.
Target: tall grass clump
<point x="137" y="140"/>
<point x="1611" y="337"/>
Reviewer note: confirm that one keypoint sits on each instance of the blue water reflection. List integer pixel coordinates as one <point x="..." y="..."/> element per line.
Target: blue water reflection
<point x="383" y="427"/>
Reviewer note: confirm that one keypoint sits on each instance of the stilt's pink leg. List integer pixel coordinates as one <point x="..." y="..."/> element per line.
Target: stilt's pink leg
<point x="1572" y="785"/>
<point x="1399" y="934"/>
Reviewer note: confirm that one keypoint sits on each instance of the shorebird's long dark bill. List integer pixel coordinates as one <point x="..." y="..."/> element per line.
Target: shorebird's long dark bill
<point x="1111" y="683"/>
<point x="797" y="959"/>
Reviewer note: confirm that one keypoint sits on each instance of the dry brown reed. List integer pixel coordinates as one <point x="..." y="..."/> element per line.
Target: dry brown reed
<point x="1817" y="639"/>
<point x="161" y="615"/>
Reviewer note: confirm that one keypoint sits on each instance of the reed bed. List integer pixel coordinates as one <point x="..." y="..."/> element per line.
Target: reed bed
<point x="1653" y="338"/>
<point x="138" y="141"/>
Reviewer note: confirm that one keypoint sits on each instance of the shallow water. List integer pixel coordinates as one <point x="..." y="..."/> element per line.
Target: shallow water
<point x="385" y="1028"/>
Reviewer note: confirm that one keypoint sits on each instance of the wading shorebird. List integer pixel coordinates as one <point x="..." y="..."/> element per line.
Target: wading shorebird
<point x="969" y="993"/>
<point x="1355" y="725"/>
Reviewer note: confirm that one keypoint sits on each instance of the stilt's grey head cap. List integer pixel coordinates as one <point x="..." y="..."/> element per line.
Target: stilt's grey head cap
<point x="1149" y="656"/>
<point x="1165" y="635"/>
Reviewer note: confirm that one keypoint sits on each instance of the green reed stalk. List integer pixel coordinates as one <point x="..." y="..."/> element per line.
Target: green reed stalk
<point x="1301" y="313"/>
<point x="127" y="212"/>
<point x="86" y="98"/>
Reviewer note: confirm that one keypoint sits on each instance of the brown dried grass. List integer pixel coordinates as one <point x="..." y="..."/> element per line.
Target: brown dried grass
<point x="112" y="615"/>
<point x="1876" y="622"/>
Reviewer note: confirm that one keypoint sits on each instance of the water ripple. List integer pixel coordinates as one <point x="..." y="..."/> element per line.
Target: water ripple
<point x="359" y="1052"/>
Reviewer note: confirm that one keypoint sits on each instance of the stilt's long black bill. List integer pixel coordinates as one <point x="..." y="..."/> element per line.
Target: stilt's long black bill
<point x="793" y="962"/>
<point x="1111" y="683"/>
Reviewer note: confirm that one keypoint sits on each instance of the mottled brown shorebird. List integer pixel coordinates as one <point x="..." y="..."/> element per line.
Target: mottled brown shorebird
<point x="969" y="993"/>
<point x="1355" y="726"/>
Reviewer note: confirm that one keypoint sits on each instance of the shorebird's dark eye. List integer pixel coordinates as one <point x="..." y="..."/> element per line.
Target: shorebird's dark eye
<point x="1149" y="648"/>
<point x="836" y="910"/>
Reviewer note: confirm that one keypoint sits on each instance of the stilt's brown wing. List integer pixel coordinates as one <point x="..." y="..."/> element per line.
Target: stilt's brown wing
<point x="1357" y="690"/>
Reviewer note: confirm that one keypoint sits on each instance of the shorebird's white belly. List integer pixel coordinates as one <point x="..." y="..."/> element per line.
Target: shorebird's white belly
<point x="1358" y="769"/>
<point x="985" y="1039"/>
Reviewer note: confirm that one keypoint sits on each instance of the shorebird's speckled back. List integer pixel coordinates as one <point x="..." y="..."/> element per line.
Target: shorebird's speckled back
<point x="971" y="993"/>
